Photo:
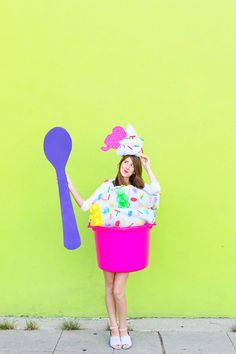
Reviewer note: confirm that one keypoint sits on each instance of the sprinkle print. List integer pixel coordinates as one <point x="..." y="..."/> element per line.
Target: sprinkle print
<point x="134" y="199"/>
<point x="106" y="210"/>
<point x="117" y="211"/>
<point x="125" y="206"/>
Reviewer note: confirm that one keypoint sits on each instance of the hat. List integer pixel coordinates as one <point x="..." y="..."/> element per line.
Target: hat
<point x="126" y="142"/>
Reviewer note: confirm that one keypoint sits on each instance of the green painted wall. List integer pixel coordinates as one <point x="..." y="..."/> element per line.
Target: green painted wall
<point x="168" y="68"/>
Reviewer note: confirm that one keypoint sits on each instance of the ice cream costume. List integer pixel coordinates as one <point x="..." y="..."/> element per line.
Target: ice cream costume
<point x="121" y="216"/>
<point x="123" y="206"/>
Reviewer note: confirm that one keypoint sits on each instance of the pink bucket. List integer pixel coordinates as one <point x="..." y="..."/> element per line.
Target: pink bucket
<point x="122" y="249"/>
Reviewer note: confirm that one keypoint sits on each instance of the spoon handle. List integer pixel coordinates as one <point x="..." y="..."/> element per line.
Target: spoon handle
<point x="70" y="230"/>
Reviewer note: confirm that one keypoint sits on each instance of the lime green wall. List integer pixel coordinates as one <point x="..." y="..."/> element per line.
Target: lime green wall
<point x="168" y="68"/>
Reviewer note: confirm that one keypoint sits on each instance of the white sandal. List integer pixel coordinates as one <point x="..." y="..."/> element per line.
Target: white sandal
<point x="125" y="340"/>
<point x="115" y="340"/>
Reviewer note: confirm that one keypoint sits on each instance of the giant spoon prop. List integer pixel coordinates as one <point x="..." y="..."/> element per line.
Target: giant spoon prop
<point x="57" y="147"/>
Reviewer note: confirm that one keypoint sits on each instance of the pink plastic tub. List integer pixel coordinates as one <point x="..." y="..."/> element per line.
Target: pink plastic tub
<point x="122" y="249"/>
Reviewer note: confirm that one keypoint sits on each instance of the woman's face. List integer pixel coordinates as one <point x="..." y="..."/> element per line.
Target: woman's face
<point x="127" y="167"/>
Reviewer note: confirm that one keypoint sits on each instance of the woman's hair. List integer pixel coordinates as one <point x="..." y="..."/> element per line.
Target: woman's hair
<point x="136" y="178"/>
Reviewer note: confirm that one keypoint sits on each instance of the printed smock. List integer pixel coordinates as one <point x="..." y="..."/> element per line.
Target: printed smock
<point x="123" y="206"/>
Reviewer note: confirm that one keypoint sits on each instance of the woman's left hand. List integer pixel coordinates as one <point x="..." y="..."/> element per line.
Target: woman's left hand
<point x="145" y="161"/>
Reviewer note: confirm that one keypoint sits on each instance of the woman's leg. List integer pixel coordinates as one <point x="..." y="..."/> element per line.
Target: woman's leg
<point x="109" y="299"/>
<point x="119" y="293"/>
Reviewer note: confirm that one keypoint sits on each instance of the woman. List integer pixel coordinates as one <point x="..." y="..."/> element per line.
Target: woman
<point x="129" y="174"/>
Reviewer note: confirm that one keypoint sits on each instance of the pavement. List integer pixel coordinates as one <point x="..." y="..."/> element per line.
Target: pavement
<point x="149" y="336"/>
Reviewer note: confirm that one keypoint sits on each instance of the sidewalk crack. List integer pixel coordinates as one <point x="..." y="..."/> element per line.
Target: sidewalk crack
<point x="57" y="342"/>
<point x="162" y="343"/>
<point x="231" y="341"/>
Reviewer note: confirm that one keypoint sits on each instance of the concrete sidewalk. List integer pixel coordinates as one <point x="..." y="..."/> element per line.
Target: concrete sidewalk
<point x="149" y="335"/>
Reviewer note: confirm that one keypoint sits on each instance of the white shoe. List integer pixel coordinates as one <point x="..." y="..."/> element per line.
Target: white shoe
<point x="115" y="340"/>
<point x="125" y="340"/>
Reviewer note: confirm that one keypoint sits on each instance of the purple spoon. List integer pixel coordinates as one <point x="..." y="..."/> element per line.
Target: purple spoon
<point x="57" y="147"/>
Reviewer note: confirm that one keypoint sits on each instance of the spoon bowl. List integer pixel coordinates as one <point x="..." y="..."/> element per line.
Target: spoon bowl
<point x="57" y="147"/>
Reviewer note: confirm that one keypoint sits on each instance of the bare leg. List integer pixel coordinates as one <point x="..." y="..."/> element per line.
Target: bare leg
<point x="119" y="293"/>
<point x="110" y="300"/>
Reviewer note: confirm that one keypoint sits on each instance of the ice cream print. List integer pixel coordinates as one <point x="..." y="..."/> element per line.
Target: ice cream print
<point x="124" y="206"/>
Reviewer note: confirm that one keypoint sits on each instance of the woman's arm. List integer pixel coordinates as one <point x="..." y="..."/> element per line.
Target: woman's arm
<point x="155" y="185"/>
<point x="74" y="193"/>
<point x="151" y="175"/>
<point x="85" y="204"/>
